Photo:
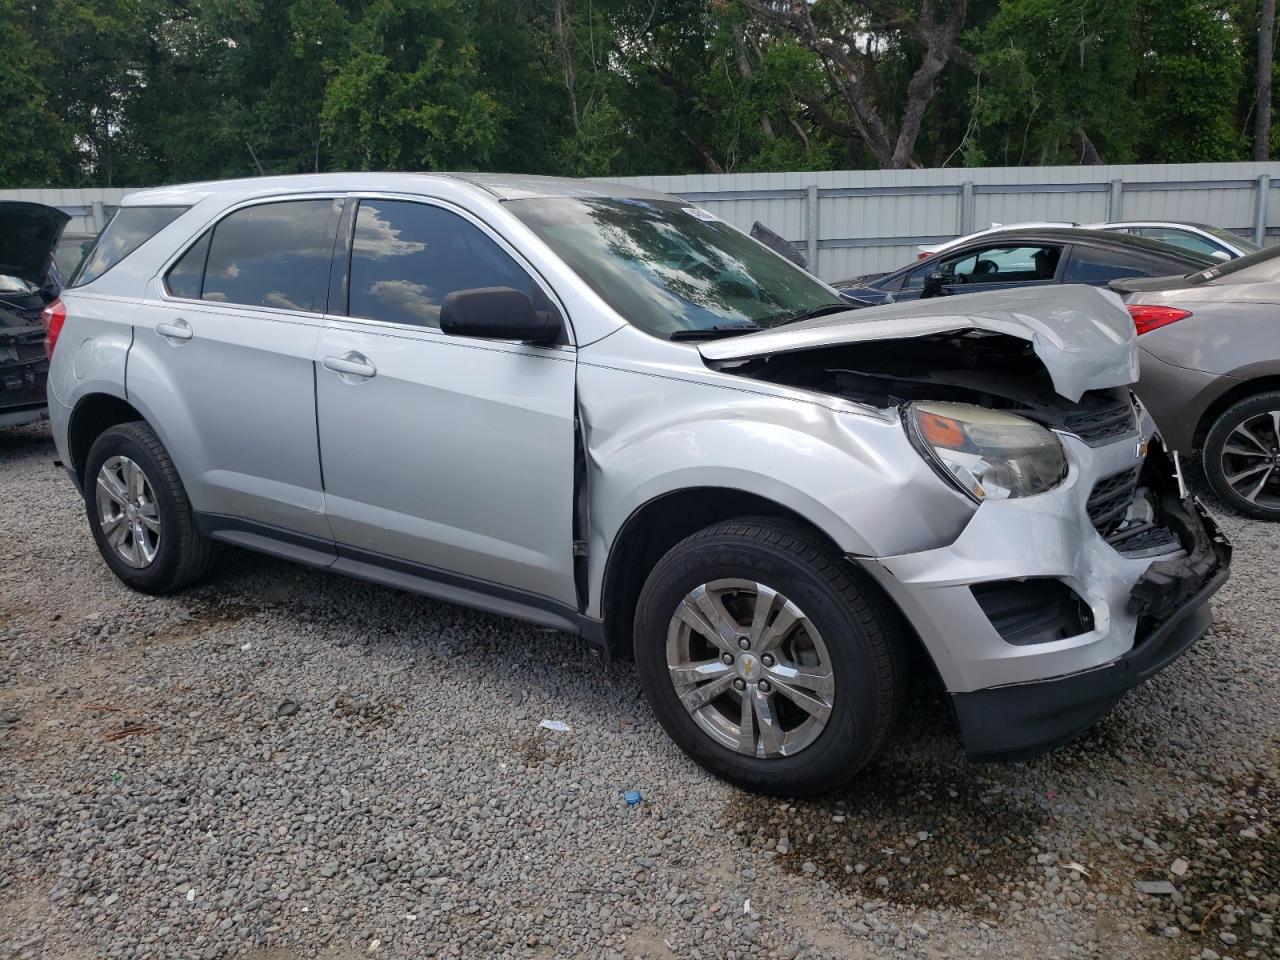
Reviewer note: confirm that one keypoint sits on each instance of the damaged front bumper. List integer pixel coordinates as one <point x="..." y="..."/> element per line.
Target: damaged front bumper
<point x="1037" y="623"/>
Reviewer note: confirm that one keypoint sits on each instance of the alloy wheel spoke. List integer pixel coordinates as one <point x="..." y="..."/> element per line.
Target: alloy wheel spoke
<point x="151" y="523"/>
<point x="817" y="708"/>
<point x="724" y="631"/>
<point x="699" y="697"/>
<point x="1235" y="478"/>
<point x="771" y="734"/>
<point x="145" y="547"/>
<point x="822" y="684"/>
<point x="697" y="671"/>
<point x="777" y="631"/>
<point x="1252" y="496"/>
<point x="112" y="487"/>
<point x="1245" y="432"/>
<point x="766" y="599"/>
<point x="115" y="529"/>
<point x="747" y="727"/>
<point x="1239" y="451"/>
<point x="1275" y="425"/>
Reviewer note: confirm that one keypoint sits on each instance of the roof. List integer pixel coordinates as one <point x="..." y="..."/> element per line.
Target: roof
<point x="1106" y="238"/>
<point x="504" y="186"/>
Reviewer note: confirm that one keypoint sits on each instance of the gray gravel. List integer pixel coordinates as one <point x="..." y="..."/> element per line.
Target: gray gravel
<point x="285" y="764"/>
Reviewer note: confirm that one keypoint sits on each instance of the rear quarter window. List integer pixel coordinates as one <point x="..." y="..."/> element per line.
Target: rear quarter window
<point x="129" y="229"/>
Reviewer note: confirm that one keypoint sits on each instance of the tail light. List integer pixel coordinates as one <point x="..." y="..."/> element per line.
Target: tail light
<point x="1151" y="316"/>
<point x="924" y="255"/>
<point x="52" y="317"/>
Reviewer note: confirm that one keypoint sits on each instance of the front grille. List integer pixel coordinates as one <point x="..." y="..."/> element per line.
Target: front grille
<point x="1102" y="416"/>
<point x="1110" y="499"/>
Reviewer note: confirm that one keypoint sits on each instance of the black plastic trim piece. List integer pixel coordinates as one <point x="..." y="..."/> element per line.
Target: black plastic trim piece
<point x="402" y="574"/>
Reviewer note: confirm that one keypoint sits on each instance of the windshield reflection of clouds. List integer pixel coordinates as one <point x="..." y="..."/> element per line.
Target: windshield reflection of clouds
<point x="665" y="269"/>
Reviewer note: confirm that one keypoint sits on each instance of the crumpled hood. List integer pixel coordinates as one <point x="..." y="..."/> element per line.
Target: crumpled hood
<point x="29" y="233"/>
<point x="1083" y="335"/>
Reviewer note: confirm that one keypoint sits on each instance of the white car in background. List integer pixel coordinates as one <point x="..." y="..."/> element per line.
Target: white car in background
<point x="1198" y="237"/>
<point x="929" y="249"/>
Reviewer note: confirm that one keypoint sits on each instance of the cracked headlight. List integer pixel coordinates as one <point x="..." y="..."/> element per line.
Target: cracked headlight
<point x="989" y="454"/>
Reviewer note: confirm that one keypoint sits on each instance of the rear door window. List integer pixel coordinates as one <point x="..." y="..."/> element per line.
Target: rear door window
<point x="272" y="255"/>
<point x="407" y="257"/>
<point x="1098" y="266"/>
<point x="129" y="229"/>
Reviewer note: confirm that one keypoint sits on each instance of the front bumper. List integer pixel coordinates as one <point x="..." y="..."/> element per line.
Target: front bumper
<point x="1019" y="721"/>
<point x="1015" y="695"/>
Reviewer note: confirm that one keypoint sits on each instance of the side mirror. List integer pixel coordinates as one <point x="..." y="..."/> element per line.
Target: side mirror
<point x="933" y="285"/>
<point x="497" y="313"/>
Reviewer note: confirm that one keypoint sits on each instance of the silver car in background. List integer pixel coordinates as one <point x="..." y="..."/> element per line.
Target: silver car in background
<point x="606" y="411"/>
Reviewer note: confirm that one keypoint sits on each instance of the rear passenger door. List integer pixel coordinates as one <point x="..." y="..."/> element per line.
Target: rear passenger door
<point x="224" y="352"/>
<point x="447" y="457"/>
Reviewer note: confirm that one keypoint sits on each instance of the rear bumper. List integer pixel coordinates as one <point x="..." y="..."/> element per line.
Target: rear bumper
<point x="1022" y="720"/>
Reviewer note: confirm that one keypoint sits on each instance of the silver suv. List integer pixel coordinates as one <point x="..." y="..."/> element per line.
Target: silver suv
<point x="606" y="411"/>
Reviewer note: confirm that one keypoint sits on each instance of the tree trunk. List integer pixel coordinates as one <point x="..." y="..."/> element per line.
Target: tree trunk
<point x="1262" y="120"/>
<point x="566" y="59"/>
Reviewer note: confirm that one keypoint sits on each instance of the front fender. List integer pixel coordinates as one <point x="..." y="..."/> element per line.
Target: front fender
<point x="855" y="477"/>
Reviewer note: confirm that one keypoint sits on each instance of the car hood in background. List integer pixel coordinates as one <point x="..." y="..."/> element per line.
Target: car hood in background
<point x="1083" y="335"/>
<point x="29" y="233"/>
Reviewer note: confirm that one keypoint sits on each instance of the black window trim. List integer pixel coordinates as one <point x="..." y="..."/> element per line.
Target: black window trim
<point x="162" y="274"/>
<point x="341" y="310"/>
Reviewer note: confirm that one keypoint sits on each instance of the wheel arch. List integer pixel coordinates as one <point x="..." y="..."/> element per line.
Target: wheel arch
<point x="1229" y="398"/>
<point x="660" y="523"/>
<point x="93" y="414"/>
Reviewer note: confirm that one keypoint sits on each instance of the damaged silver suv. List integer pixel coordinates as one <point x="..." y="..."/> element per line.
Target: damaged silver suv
<point x="606" y="411"/>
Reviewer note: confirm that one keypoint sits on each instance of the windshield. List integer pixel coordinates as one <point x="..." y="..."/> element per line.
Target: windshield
<point x="1260" y="266"/>
<point x="1237" y="241"/>
<point x="669" y="267"/>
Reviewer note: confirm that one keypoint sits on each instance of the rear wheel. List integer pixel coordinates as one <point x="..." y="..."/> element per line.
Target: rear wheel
<point x="767" y="658"/>
<point x="1242" y="456"/>
<point x="138" y="510"/>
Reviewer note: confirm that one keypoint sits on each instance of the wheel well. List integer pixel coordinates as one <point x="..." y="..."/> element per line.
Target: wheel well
<point x="1241" y="391"/>
<point x="658" y="526"/>
<point x="92" y="415"/>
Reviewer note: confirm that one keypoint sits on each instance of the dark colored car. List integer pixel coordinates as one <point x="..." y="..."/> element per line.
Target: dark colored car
<point x="1025" y="258"/>
<point x="29" y="281"/>
<point x="1210" y="354"/>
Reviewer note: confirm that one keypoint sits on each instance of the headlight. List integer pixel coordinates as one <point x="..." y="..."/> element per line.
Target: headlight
<point x="989" y="454"/>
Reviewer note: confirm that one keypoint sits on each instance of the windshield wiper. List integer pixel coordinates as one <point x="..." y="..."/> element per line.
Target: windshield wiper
<point x="822" y="311"/>
<point x="714" y="333"/>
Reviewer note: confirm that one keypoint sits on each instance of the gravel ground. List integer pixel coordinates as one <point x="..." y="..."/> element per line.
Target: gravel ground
<point x="281" y="763"/>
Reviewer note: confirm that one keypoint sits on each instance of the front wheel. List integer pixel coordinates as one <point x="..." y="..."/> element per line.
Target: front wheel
<point x="769" y="659"/>
<point x="1242" y="456"/>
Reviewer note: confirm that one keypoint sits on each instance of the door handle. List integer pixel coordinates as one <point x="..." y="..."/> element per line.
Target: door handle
<point x="178" y="330"/>
<point x="353" y="364"/>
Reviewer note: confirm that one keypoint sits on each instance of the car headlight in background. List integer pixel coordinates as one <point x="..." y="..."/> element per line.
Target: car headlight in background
<point x="989" y="454"/>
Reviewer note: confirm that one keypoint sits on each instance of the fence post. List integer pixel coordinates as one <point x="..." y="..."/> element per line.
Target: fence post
<point x="1115" y="202"/>
<point x="99" y="216"/>
<point x="966" y="208"/>
<point x="811" y="227"/>
<point x="1260" y="209"/>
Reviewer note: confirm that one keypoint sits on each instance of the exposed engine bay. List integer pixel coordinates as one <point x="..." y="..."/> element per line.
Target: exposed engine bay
<point x="979" y="367"/>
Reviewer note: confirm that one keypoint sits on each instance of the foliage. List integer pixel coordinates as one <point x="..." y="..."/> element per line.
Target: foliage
<point x="151" y="91"/>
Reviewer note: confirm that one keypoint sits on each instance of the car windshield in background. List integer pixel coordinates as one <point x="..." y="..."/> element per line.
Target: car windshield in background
<point x="668" y="267"/>
<point x="129" y="229"/>
<point x="1233" y="238"/>
<point x="1261" y="266"/>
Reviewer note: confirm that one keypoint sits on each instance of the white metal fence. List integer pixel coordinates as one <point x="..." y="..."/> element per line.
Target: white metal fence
<point x="850" y="222"/>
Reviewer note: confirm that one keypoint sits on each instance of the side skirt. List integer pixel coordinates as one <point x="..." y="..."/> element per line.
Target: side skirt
<point x="401" y="574"/>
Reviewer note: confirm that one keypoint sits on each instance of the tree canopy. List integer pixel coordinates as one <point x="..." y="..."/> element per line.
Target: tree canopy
<point x="131" y="92"/>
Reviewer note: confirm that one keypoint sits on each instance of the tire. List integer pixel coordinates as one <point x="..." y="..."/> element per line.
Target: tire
<point x="859" y="643"/>
<point x="181" y="553"/>
<point x="1242" y="446"/>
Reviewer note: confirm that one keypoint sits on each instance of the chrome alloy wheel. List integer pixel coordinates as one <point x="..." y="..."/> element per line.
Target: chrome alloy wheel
<point x="750" y="667"/>
<point x="1251" y="459"/>
<point x="128" y="511"/>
